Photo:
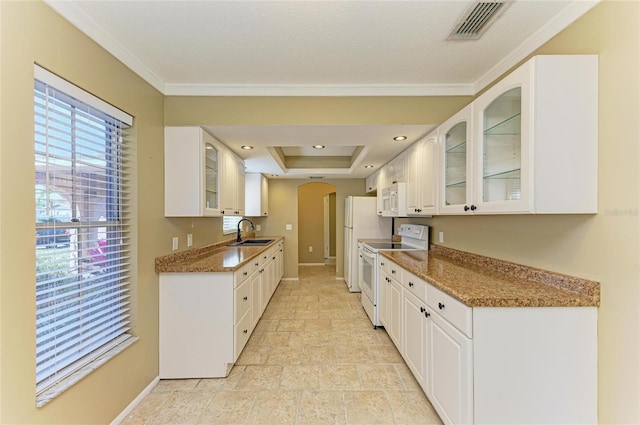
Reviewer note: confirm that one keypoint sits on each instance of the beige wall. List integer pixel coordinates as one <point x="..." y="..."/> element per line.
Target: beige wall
<point x="32" y="32"/>
<point x="311" y="220"/>
<point x="605" y="247"/>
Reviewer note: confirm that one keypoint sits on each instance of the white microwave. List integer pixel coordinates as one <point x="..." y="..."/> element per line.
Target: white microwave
<point x="394" y="200"/>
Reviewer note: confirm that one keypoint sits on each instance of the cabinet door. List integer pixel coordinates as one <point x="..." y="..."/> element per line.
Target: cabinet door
<point x="428" y="188"/>
<point x="227" y="184"/>
<point x="456" y="158"/>
<point x="414" y="178"/>
<point x="502" y="155"/>
<point x="383" y="302"/>
<point x="395" y="312"/>
<point x="255" y="298"/>
<point x="211" y="165"/>
<point x="450" y="371"/>
<point x="239" y="187"/>
<point x="415" y="336"/>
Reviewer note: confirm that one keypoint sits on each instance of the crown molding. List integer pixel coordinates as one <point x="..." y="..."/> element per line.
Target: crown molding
<point x="74" y="15"/>
<point x="319" y="89"/>
<point x="561" y="21"/>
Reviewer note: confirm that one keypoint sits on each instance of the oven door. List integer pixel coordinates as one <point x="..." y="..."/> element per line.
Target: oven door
<point x="367" y="273"/>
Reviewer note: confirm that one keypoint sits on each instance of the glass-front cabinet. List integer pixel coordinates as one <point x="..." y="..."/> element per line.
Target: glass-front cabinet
<point x="456" y="147"/>
<point x="211" y="174"/>
<point x="501" y="157"/>
<point x="528" y="144"/>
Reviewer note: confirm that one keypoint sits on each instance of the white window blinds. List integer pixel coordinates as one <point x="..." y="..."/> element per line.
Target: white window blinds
<point x="230" y="223"/>
<point x="82" y="230"/>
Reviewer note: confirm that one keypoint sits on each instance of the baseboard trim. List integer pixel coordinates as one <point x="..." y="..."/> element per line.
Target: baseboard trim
<point x="339" y="278"/>
<point x="289" y="278"/>
<point x="121" y="417"/>
<point x="311" y="264"/>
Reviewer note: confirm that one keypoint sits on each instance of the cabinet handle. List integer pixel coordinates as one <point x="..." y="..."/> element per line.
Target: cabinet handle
<point x="440" y="306"/>
<point x="245" y="298"/>
<point x="410" y="284"/>
<point x="427" y="314"/>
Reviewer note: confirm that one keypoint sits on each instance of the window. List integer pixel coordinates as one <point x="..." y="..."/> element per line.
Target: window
<point x="230" y="223"/>
<point x="82" y="228"/>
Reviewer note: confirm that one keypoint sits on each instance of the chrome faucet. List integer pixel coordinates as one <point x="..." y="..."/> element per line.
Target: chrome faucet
<point x="239" y="237"/>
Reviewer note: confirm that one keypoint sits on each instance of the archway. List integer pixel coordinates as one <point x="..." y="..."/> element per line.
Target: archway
<point x="311" y="223"/>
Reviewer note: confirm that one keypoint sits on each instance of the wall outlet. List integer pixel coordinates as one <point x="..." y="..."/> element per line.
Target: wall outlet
<point x="189" y="240"/>
<point x="310" y="249"/>
<point x="441" y="237"/>
<point x="288" y="227"/>
<point x="258" y="227"/>
<point x="175" y="243"/>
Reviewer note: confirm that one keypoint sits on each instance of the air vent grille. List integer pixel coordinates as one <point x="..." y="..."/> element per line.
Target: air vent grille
<point x="477" y="20"/>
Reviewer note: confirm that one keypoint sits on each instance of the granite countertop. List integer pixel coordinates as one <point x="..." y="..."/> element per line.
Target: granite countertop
<point x="212" y="258"/>
<point x="479" y="281"/>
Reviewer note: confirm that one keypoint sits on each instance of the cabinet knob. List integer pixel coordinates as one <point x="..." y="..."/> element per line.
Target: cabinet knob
<point x="245" y="273"/>
<point x="421" y="309"/>
<point x="245" y="331"/>
<point x="410" y="284"/>
<point x="382" y="263"/>
<point x="257" y="264"/>
<point x="245" y="298"/>
<point x="427" y="314"/>
<point x="473" y="207"/>
<point x="466" y="208"/>
<point x="393" y="272"/>
<point x="440" y="306"/>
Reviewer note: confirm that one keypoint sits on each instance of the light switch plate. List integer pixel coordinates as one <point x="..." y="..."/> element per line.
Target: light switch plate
<point x="288" y="227"/>
<point x="258" y="227"/>
<point x="175" y="242"/>
<point x="189" y="239"/>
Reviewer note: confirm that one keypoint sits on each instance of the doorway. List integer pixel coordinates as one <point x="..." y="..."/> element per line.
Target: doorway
<point x="316" y="223"/>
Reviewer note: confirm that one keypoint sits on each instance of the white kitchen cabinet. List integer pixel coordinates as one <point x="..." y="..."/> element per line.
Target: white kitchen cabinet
<point x="192" y="160"/>
<point x="415" y="337"/>
<point x="534" y="146"/>
<point x="456" y="163"/>
<point x="233" y="181"/>
<point x="206" y="319"/>
<point x="450" y="368"/>
<point x="493" y="364"/>
<point x="371" y="182"/>
<point x="396" y="170"/>
<point x="256" y="195"/>
<point x="422" y="185"/>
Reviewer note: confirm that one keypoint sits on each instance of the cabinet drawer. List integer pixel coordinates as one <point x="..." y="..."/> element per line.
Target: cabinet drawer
<point x="243" y="273"/>
<point x="415" y="285"/>
<point x="241" y="335"/>
<point x="242" y="296"/>
<point x="395" y="271"/>
<point x="455" y="312"/>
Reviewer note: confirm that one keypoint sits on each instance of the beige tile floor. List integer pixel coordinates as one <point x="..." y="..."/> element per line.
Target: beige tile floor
<point x="314" y="358"/>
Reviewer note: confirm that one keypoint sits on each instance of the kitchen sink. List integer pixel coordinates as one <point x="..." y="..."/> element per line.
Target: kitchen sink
<point x="252" y="242"/>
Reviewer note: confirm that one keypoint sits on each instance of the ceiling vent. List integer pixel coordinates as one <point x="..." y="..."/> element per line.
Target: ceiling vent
<point x="477" y="19"/>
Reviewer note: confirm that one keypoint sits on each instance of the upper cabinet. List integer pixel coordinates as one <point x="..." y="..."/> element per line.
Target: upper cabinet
<point x="422" y="176"/>
<point x="371" y="183"/>
<point x="200" y="175"/>
<point x="456" y="162"/>
<point x="256" y="195"/>
<point x="533" y="146"/>
<point x="395" y="170"/>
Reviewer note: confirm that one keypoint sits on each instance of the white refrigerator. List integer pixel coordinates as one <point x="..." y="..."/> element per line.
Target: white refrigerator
<point x="361" y="221"/>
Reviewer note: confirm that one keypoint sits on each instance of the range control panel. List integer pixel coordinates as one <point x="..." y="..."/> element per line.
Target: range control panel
<point x="414" y="231"/>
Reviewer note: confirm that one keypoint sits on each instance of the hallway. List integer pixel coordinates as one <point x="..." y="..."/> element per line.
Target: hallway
<point x="314" y="358"/>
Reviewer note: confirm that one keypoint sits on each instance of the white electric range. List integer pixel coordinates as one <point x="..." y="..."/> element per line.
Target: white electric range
<point x="414" y="237"/>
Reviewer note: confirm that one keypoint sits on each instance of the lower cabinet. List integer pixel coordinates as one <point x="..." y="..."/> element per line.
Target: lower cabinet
<point x="494" y="364"/>
<point x="206" y="319"/>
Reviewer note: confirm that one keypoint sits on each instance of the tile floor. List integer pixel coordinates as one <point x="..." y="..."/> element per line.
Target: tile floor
<point x="314" y="358"/>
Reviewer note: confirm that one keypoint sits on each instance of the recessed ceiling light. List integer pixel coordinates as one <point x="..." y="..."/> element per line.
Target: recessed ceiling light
<point x="400" y="138"/>
<point x="247" y="147"/>
<point x="368" y="166"/>
<point x="318" y="146"/>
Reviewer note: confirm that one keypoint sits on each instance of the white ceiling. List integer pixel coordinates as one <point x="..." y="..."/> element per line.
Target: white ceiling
<point x="240" y="48"/>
